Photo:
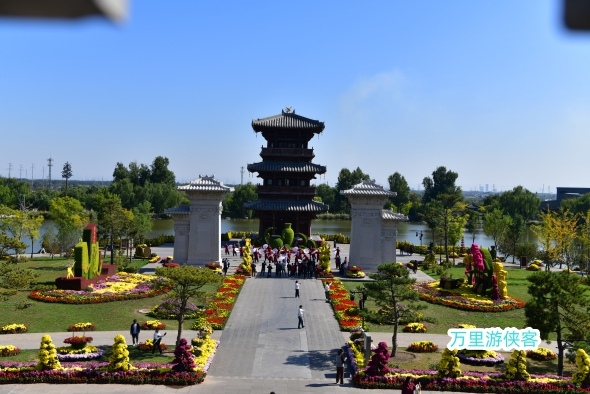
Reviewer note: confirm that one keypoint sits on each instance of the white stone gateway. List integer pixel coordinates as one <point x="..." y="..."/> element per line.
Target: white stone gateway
<point x="197" y="226"/>
<point x="373" y="232"/>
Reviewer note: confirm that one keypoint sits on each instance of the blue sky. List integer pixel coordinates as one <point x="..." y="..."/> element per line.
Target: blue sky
<point x="495" y="90"/>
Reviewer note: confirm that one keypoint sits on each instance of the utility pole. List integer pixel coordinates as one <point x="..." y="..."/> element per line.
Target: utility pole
<point x="9" y="169"/>
<point x="242" y="175"/>
<point x="50" y="161"/>
<point x="20" y="173"/>
<point x="32" y="168"/>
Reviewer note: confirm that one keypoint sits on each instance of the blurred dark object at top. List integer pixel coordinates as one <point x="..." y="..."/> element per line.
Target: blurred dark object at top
<point x="577" y="14"/>
<point x="65" y="9"/>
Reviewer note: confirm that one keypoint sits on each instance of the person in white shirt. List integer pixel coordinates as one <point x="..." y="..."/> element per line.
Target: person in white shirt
<point x="296" y="289"/>
<point x="300" y="317"/>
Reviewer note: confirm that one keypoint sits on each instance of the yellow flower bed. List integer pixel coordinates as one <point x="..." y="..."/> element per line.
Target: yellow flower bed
<point x="9" y="350"/>
<point x="207" y="349"/>
<point x="463" y="291"/>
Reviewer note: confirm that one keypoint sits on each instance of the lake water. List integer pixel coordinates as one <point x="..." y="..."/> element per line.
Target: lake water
<point x="406" y="231"/>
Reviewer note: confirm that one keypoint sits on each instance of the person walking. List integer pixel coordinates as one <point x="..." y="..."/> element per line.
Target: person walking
<point x="269" y="269"/>
<point x="327" y="291"/>
<point x="300" y="317"/>
<point x="263" y="268"/>
<point x="296" y="289"/>
<point x="157" y="341"/>
<point x="134" y="331"/>
<point x="340" y="360"/>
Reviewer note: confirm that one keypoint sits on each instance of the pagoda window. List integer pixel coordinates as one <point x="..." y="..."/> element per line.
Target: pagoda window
<point x="269" y="182"/>
<point x="286" y="182"/>
<point x="280" y="182"/>
<point x="303" y="182"/>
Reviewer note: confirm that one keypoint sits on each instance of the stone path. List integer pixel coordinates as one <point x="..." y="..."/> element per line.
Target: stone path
<point x="261" y="339"/>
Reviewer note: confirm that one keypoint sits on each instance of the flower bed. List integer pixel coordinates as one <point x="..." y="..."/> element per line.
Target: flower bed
<point x="464" y="299"/>
<point x="152" y="325"/>
<point x="224" y="301"/>
<point x="423" y="347"/>
<point x="475" y="382"/>
<point x="78" y="342"/>
<point x="148" y="345"/>
<point x="345" y="310"/>
<point x="541" y="354"/>
<point x="122" y="286"/>
<point x="69" y="354"/>
<point x="170" y="308"/>
<point x="355" y="272"/>
<point x="9" y="350"/>
<point x="96" y="373"/>
<point x="82" y="327"/>
<point x="415" y="327"/>
<point x="480" y="357"/>
<point x="14" y="329"/>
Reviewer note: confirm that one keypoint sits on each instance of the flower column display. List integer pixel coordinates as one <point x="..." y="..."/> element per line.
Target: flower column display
<point x="449" y="365"/>
<point x="119" y="360"/>
<point x="48" y="355"/>
<point x="582" y="375"/>
<point x="246" y="266"/>
<point x="516" y="369"/>
<point x="501" y="274"/>
<point x="325" y="256"/>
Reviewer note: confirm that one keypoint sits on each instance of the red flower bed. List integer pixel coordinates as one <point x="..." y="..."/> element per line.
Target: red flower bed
<point x="225" y="301"/>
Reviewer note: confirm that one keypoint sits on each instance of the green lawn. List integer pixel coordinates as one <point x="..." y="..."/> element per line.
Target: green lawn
<point x="44" y="317"/>
<point x="445" y="317"/>
<point x="135" y="355"/>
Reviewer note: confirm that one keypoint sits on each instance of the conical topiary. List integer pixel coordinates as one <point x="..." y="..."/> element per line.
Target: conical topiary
<point x="582" y="375"/>
<point x="378" y="364"/>
<point x="288" y="235"/>
<point x="516" y="368"/>
<point x="449" y="365"/>
<point x="47" y="355"/>
<point x="119" y="360"/>
<point x="184" y="359"/>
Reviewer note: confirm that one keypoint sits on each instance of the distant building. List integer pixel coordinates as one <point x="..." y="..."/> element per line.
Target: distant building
<point x="563" y="193"/>
<point x="284" y="193"/>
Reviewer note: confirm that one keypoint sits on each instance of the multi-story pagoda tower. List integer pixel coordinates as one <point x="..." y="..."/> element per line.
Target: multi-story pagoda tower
<point x="285" y="194"/>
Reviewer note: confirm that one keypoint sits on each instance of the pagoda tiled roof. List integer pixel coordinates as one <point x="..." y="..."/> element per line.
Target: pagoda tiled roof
<point x="287" y="166"/>
<point x="287" y="205"/>
<point x="288" y="120"/>
<point x="367" y="188"/>
<point x="388" y="214"/>
<point x="206" y="184"/>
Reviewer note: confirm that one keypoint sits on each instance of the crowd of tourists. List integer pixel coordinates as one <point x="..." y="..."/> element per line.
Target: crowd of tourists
<point x="285" y="262"/>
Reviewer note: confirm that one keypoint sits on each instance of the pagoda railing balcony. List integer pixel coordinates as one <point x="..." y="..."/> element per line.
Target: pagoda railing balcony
<point x="286" y="190"/>
<point x="287" y="152"/>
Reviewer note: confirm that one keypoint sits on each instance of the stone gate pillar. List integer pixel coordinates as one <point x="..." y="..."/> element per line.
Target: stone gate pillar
<point x="373" y="229"/>
<point x="197" y="227"/>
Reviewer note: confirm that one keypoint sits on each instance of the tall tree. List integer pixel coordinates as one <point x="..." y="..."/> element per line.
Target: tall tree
<point x="188" y="282"/>
<point x="142" y="221"/>
<point x="393" y="290"/>
<point x="160" y="172"/>
<point x="66" y="173"/>
<point x="473" y="224"/>
<point x="512" y="237"/>
<point x="520" y="201"/>
<point x="399" y="185"/>
<point x="69" y="217"/>
<point x="495" y="225"/>
<point x="346" y="180"/>
<point x="233" y="203"/>
<point x="327" y="195"/>
<point x="560" y="305"/>
<point x="112" y="221"/>
<point x="442" y="187"/>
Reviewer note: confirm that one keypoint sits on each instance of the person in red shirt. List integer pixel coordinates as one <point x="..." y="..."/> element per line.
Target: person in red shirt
<point x="408" y="386"/>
